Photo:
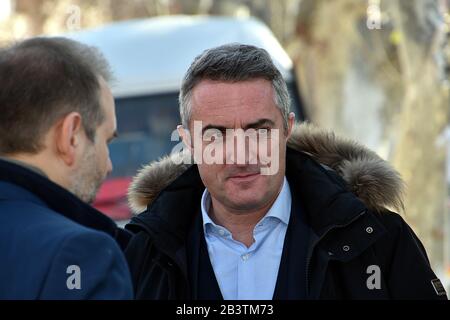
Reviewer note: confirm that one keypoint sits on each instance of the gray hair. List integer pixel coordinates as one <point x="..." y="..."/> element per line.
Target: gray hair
<point x="233" y="63"/>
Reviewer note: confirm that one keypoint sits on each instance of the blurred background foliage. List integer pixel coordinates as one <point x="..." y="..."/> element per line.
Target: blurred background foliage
<point x="373" y="70"/>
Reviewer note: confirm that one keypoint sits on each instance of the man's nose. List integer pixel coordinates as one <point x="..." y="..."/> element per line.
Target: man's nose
<point x="241" y="150"/>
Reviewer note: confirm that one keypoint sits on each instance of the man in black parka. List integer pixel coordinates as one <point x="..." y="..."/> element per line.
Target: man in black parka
<point x="319" y="226"/>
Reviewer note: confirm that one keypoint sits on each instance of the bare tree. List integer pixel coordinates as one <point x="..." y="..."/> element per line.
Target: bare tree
<point x="373" y="75"/>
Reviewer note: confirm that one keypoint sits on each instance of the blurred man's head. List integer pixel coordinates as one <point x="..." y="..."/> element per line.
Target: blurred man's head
<point x="237" y="87"/>
<point x="57" y="112"/>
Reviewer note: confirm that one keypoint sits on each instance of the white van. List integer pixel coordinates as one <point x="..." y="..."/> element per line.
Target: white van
<point x="149" y="59"/>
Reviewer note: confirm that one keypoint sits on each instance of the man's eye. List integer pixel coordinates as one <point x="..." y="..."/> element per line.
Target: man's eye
<point x="263" y="130"/>
<point x="213" y="135"/>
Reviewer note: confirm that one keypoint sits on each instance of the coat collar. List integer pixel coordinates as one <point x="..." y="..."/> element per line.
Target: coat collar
<point x="39" y="189"/>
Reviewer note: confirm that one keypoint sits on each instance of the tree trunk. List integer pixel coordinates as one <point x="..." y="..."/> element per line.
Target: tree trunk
<point x="375" y="77"/>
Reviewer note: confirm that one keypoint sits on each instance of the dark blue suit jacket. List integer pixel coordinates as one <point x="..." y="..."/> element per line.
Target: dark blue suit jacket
<point x="54" y="246"/>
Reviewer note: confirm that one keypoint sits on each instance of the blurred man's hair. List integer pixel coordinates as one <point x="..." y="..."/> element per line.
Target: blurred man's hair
<point x="41" y="81"/>
<point x="233" y="63"/>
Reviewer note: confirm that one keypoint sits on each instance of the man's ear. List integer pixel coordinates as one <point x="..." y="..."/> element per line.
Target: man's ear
<point x="185" y="136"/>
<point x="68" y="137"/>
<point x="291" y="122"/>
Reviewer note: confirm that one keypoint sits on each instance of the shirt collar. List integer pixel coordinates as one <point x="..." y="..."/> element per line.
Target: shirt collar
<point x="281" y="208"/>
<point x="205" y="206"/>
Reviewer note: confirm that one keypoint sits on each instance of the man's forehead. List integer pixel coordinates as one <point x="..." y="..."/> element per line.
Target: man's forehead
<point x="253" y="88"/>
<point x="223" y="98"/>
<point x="239" y="120"/>
<point x="108" y="106"/>
<point x="105" y="90"/>
<point x="233" y="105"/>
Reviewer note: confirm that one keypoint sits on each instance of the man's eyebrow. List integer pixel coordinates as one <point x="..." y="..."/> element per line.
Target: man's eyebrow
<point x="260" y="123"/>
<point x="114" y="136"/>
<point x="212" y="126"/>
<point x="256" y="124"/>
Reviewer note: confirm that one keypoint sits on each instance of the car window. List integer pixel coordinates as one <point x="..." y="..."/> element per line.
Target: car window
<point x="145" y="125"/>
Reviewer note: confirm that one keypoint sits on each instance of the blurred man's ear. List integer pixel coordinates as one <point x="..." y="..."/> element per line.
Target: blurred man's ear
<point x="68" y="137"/>
<point x="291" y="122"/>
<point x="185" y="136"/>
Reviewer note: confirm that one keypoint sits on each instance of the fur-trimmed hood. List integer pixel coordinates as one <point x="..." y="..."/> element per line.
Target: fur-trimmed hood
<point x="370" y="178"/>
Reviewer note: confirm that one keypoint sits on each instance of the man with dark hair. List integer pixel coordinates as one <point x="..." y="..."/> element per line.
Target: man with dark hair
<point x="56" y="118"/>
<point x="308" y="219"/>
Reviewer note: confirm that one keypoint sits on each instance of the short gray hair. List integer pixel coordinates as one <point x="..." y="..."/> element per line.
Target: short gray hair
<point x="233" y="63"/>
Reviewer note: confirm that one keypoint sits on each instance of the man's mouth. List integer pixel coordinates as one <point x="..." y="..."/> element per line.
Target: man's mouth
<point x="244" y="177"/>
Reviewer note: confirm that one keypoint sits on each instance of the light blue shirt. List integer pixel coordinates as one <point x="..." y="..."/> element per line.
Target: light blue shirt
<point x="248" y="273"/>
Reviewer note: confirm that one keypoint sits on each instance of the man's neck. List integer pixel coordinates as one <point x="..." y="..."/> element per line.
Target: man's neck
<point x="24" y="164"/>
<point x="240" y="223"/>
<point x="40" y="164"/>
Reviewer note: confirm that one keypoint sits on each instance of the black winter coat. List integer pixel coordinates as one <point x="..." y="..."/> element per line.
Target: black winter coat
<point x="359" y="249"/>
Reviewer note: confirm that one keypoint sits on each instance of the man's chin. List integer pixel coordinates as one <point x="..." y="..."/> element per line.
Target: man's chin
<point x="87" y="197"/>
<point x="90" y="201"/>
<point x="246" y="203"/>
<point x="92" y="196"/>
